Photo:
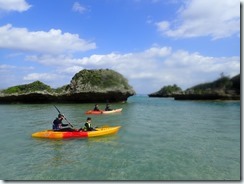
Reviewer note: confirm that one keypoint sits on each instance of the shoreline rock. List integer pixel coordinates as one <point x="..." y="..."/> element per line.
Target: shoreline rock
<point x="206" y="97"/>
<point x="167" y="91"/>
<point x="87" y="86"/>
<point x="224" y="88"/>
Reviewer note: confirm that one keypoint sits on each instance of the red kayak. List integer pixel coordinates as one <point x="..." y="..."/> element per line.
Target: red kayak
<point x="94" y="112"/>
<point x="104" y="112"/>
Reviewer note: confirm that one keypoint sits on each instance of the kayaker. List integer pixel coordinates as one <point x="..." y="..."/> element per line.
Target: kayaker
<point x="107" y="108"/>
<point x="58" y="124"/>
<point x="96" y="108"/>
<point x="88" y="126"/>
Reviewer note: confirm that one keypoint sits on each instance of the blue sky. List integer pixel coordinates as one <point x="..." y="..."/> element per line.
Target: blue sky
<point x="153" y="43"/>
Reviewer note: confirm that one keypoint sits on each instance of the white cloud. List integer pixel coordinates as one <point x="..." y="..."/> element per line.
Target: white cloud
<point x="150" y="69"/>
<point x="6" y="67"/>
<point x="163" y="25"/>
<point x="157" y="52"/>
<point x="215" y="18"/>
<point x="52" y="42"/>
<point x="77" y="7"/>
<point x="14" y="5"/>
<point x="71" y="70"/>
<point x="41" y="77"/>
<point x="50" y="59"/>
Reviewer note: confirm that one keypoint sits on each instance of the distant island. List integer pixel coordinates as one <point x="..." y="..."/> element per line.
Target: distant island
<point x="224" y="88"/>
<point x="86" y="86"/>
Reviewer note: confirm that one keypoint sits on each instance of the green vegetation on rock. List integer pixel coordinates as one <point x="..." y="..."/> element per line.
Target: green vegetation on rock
<point x="167" y="91"/>
<point x="28" y="88"/>
<point x="61" y="89"/>
<point x="99" y="81"/>
<point x="222" y="85"/>
<point x="224" y="88"/>
<point x="86" y="86"/>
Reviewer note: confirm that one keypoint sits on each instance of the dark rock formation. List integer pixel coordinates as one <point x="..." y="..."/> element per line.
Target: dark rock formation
<point x="167" y="91"/>
<point x="98" y="86"/>
<point x="224" y="88"/>
<point x="34" y="97"/>
<point x="206" y="97"/>
<point x="86" y="86"/>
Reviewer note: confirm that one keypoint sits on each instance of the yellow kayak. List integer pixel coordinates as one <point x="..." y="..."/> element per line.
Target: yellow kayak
<point x="51" y="134"/>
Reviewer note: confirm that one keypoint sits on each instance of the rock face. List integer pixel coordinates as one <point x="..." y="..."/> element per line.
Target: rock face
<point x="209" y="96"/>
<point x="224" y="88"/>
<point x="98" y="86"/>
<point x="167" y="91"/>
<point x="86" y="86"/>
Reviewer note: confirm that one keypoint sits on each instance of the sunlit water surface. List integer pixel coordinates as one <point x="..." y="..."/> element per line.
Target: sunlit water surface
<point x="160" y="139"/>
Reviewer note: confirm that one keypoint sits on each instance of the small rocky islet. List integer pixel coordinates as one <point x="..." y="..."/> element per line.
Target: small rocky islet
<point x="86" y="86"/>
<point x="224" y="88"/>
<point x="106" y="85"/>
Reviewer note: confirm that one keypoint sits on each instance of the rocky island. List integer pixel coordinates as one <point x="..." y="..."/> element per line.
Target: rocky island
<point x="86" y="86"/>
<point x="167" y="91"/>
<point x="224" y="88"/>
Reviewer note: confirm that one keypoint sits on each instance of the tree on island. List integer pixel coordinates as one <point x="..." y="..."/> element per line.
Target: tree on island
<point x="221" y="86"/>
<point x="224" y="88"/>
<point x="167" y="91"/>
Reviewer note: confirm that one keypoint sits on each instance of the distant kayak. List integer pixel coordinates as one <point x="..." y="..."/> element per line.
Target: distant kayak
<point x="50" y="134"/>
<point x="104" y="112"/>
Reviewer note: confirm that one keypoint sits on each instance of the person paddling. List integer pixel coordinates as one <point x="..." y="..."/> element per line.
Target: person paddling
<point x="96" y="108"/>
<point x="59" y="126"/>
<point x="88" y="126"/>
<point x="107" y="108"/>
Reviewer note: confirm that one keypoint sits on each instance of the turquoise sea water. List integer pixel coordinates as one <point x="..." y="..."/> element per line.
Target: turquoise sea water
<point x="160" y="139"/>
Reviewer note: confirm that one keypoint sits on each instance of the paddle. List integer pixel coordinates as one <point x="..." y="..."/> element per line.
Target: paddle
<point x="64" y="116"/>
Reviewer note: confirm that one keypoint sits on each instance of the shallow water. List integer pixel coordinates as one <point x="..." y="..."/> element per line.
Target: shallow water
<point x="160" y="139"/>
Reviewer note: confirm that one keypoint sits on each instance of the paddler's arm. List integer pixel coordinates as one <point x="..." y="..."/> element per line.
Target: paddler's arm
<point x="64" y="125"/>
